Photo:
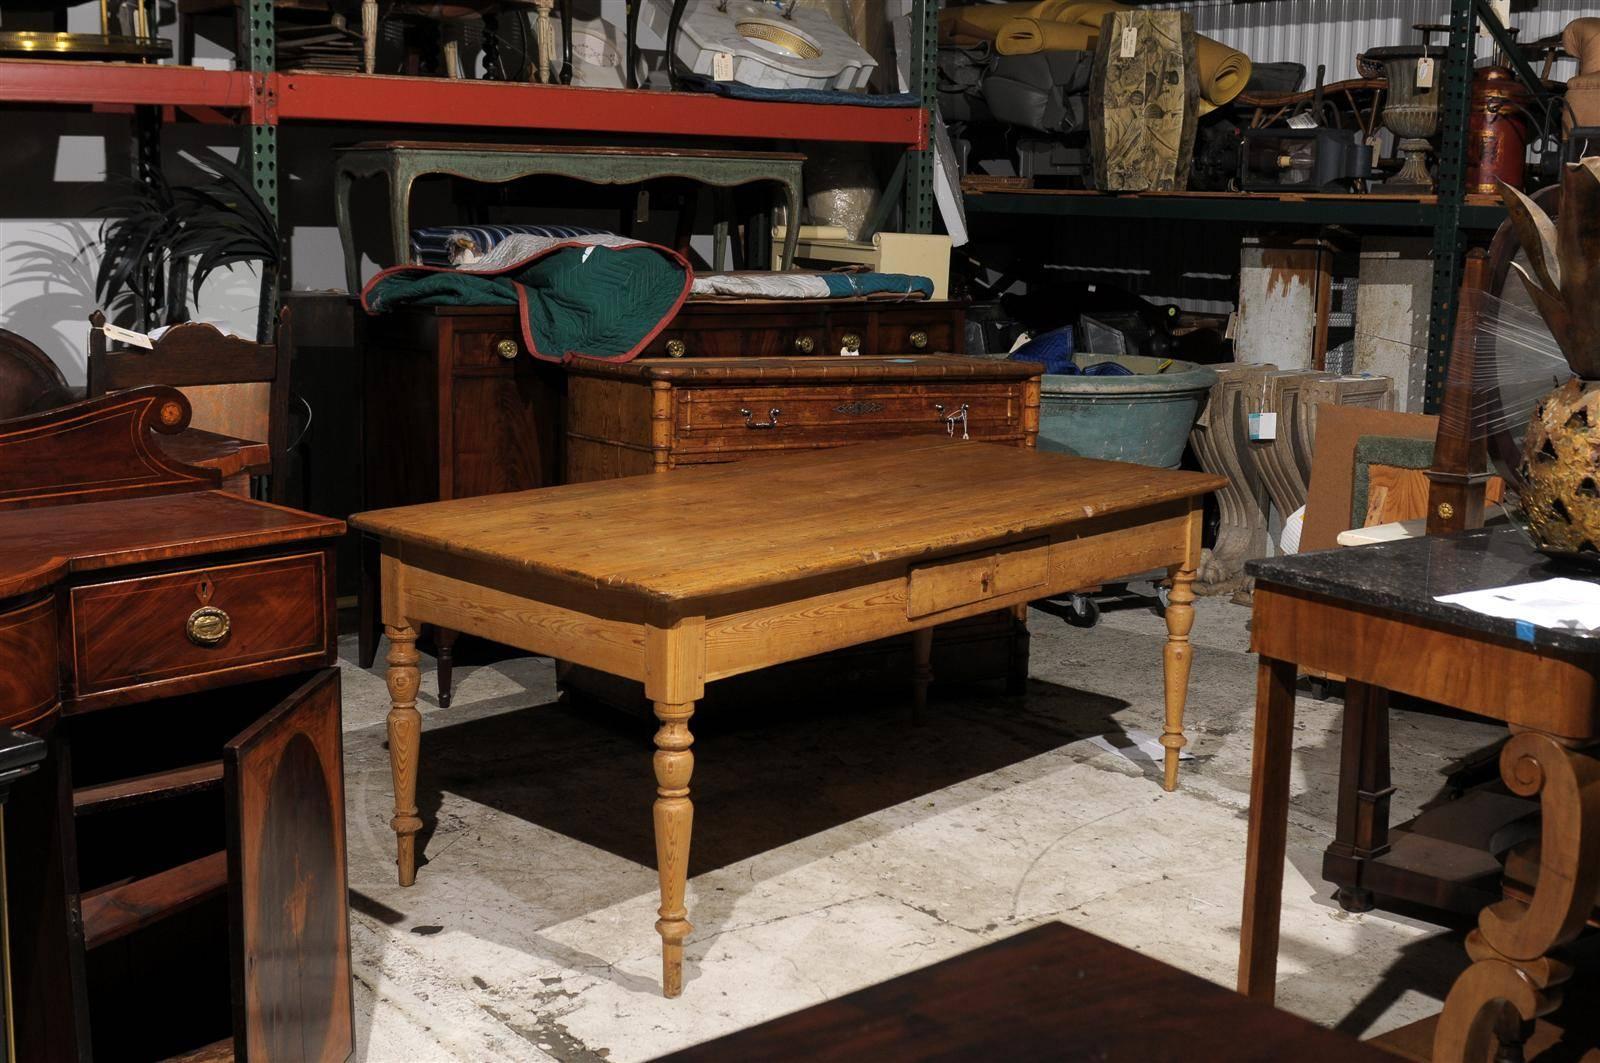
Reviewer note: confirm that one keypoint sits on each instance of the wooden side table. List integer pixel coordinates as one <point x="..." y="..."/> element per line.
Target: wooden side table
<point x="1370" y="614"/>
<point x="1050" y="993"/>
<point x="403" y="161"/>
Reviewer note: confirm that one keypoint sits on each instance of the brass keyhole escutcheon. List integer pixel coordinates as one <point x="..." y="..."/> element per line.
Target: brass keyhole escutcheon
<point x="677" y="348"/>
<point x="805" y="344"/>
<point x="207" y="626"/>
<point x="919" y="339"/>
<point x="506" y="349"/>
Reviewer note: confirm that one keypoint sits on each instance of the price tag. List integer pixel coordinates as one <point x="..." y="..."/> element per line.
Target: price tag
<point x="1425" y="73"/>
<point x="722" y="66"/>
<point x="1302" y="121"/>
<point x="128" y="336"/>
<point x="1130" y="41"/>
<point x="1377" y="150"/>
<point x="1263" y="426"/>
<point x="1233" y="325"/>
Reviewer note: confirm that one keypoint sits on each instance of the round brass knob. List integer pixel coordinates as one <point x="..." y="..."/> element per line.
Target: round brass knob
<point x="1446" y="511"/>
<point x="805" y="344"/>
<point x="207" y="626"/>
<point x="919" y="339"/>
<point x="506" y="349"/>
<point x="852" y="341"/>
<point x="677" y="348"/>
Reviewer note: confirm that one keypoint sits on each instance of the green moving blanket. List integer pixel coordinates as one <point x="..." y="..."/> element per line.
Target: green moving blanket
<point x="595" y="297"/>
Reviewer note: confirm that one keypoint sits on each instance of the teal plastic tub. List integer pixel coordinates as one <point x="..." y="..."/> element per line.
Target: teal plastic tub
<point x="1144" y="418"/>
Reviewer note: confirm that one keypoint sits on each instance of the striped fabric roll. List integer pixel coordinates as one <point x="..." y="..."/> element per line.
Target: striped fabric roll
<point x="463" y="245"/>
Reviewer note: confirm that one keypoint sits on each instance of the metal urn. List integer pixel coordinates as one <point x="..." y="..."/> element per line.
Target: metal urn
<point x="1411" y="110"/>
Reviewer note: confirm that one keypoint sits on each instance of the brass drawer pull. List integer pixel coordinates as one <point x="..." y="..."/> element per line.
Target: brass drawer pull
<point x="207" y="626"/>
<point x="950" y="419"/>
<point x="919" y="339"/>
<point x="677" y="348"/>
<point x="770" y="422"/>
<point x="852" y="345"/>
<point x="506" y="349"/>
<point x="805" y="344"/>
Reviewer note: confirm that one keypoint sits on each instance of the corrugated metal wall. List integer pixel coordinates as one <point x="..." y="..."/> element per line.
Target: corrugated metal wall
<point x="1334" y="32"/>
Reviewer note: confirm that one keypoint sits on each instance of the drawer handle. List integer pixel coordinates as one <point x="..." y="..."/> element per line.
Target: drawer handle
<point x="852" y="344"/>
<point x="950" y="420"/>
<point x="770" y="422"/>
<point x="677" y="348"/>
<point x="805" y="344"/>
<point x="207" y="626"/>
<point x="506" y="349"/>
<point x="919" y="339"/>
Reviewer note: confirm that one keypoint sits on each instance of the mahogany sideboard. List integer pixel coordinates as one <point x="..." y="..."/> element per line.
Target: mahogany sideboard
<point x="176" y="867"/>
<point x="454" y="408"/>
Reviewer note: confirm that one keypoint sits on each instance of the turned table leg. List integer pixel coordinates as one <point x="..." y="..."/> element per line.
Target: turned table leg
<point x="444" y="644"/>
<point x="921" y="671"/>
<point x="405" y="731"/>
<point x="674" y="821"/>
<point x="1517" y="972"/>
<point x="1178" y="654"/>
<point x="1269" y="828"/>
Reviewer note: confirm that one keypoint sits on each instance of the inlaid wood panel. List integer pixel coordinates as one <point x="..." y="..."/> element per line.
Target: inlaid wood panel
<point x="137" y="632"/>
<point x="30" y="680"/>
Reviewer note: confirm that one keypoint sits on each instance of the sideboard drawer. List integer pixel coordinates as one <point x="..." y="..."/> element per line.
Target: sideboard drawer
<point x="741" y="418"/>
<point x="155" y="634"/>
<point x="480" y="348"/>
<point x="902" y="334"/>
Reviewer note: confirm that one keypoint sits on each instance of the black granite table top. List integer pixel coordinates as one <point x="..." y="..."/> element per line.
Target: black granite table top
<point x="1406" y="575"/>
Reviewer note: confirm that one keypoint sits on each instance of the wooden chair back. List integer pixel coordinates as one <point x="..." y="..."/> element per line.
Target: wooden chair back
<point x="29" y="380"/>
<point x="195" y="355"/>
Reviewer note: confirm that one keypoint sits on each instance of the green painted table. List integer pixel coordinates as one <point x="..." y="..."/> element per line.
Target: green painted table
<point x="402" y="162"/>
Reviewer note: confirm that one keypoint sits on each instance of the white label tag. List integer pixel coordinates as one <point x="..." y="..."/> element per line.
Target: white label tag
<point x="1130" y="41"/>
<point x="128" y="336"/>
<point x="1377" y="150"/>
<point x="1424" y="73"/>
<point x="1233" y="324"/>
<point x="722" y="66"/>
<point x="1302" y="121"/>
<point x="849" y="352"/>
<point x="1263" y="426"/>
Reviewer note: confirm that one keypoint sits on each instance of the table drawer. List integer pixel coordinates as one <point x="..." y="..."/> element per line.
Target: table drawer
<point x="740" y="418"/>
<point x="970" y="579"/>
<point x="166" y="631"/>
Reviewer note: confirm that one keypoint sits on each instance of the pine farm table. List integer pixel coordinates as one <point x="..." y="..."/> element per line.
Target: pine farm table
<point x="680" y="579"/>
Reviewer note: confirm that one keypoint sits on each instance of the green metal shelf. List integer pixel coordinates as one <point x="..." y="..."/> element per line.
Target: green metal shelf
<point x="1418" y="213"/>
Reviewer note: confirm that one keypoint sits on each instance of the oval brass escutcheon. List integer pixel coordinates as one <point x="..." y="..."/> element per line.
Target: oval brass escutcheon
<point x="506" y="349"/>
<point x="919" y="339"/>
<point x="677" y="348"/>
<point x="207" y="626"/>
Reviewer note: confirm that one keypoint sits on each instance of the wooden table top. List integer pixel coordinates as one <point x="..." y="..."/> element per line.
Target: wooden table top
<point x="1050" y="993"/>
<point x="39" y="546"/>
<point x="713" y="530"/>
<point x="779" y="369"/>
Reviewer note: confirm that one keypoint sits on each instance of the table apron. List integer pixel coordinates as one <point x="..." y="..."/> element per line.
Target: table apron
<point x="1543" y="689"/>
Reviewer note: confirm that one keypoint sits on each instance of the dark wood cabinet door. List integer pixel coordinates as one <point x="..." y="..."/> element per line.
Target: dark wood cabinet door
<point x="290" y="920"/>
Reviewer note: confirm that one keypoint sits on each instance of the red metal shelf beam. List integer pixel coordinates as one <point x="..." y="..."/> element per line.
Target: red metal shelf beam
<point x="124" y="84"/>
<point x="364" y="100"/>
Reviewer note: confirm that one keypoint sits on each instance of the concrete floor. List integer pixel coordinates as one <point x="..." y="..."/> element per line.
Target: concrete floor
<point x="837" y="848"/>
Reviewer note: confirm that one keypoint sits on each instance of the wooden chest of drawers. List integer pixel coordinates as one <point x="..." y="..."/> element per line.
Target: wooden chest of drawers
<point x="780" y="327"/>
<point x="653" y="414"/>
